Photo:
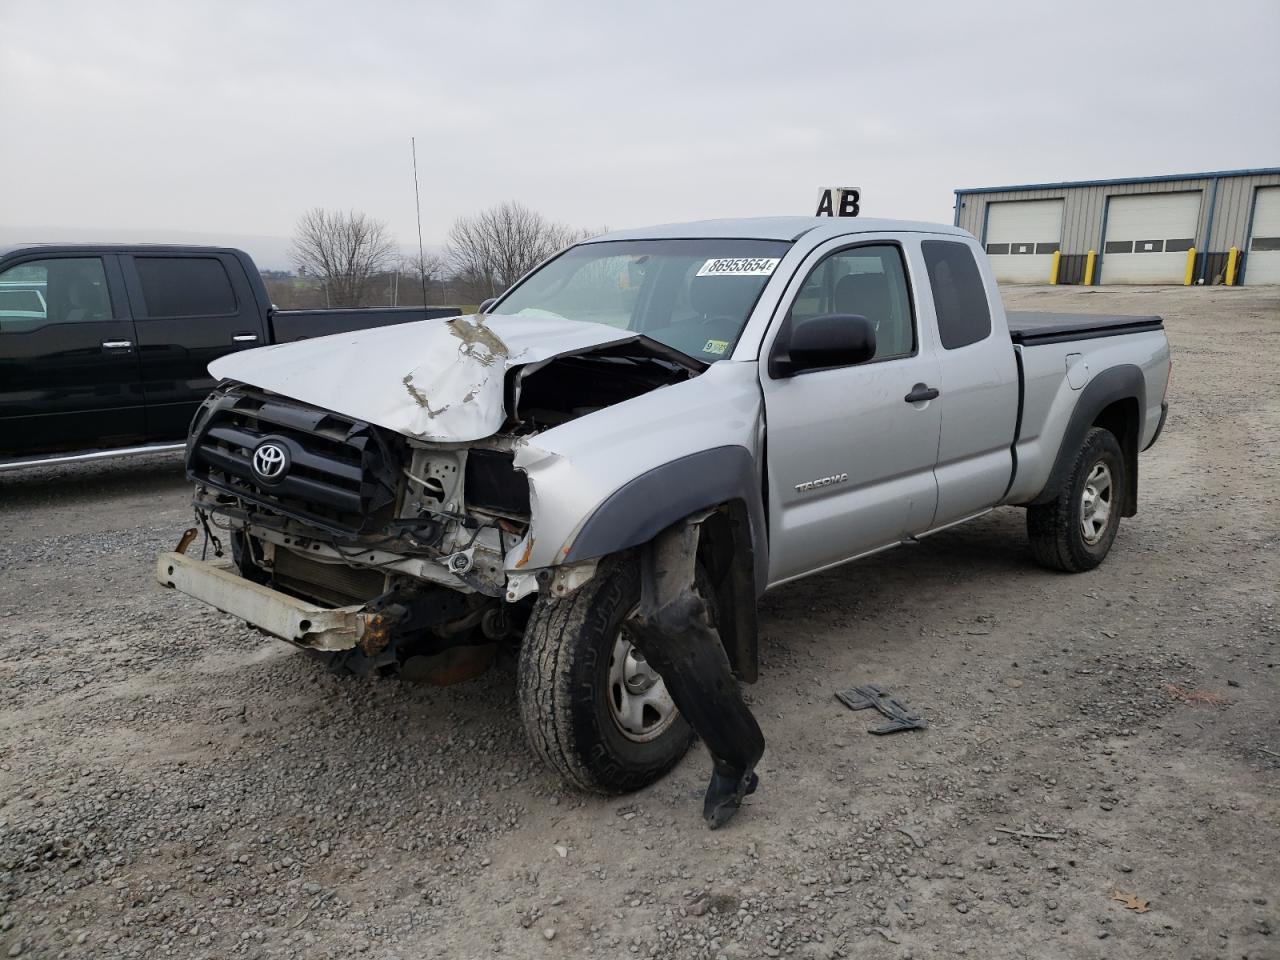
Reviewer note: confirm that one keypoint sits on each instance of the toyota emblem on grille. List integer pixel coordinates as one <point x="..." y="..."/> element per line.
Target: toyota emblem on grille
<point x="270" y="461"/>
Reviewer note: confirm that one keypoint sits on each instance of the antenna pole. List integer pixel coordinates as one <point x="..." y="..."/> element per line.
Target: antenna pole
<point x="417" y="199"/>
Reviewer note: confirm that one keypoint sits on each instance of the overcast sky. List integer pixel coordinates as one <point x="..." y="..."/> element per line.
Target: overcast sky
<point x="228" y="119"/>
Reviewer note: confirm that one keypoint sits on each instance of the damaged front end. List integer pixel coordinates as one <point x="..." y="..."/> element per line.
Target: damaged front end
<point x="424" y="535"/>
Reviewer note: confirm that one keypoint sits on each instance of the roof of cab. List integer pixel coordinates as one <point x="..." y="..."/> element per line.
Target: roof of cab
<point x="52" y="247"/>
<point x="775" y="228"/>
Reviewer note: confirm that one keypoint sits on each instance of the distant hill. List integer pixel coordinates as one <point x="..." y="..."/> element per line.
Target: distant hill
<point x="269" y="253"/>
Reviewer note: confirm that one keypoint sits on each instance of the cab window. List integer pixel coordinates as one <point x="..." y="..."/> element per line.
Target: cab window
<point x="185" y="287"/>
<point x="959" y="298"/>
<point x="867" y="281"/>
<point x="39" y="293"/>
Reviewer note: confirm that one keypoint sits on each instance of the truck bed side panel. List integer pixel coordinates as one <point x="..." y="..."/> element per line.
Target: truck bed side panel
<point x="1050" y="399"/>
<point x="290" y="325"/>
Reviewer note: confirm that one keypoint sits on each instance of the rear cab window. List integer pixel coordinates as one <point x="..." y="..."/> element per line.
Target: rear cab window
<point x="959" y="295"/>
<point x="185" y="287"/>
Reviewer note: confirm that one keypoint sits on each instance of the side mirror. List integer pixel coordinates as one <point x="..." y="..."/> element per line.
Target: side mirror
<point x="486" y="305"/>
<point x="836" y="340"/>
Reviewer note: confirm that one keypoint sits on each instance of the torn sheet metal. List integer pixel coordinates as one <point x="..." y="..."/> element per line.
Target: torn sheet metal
<point x="573" y="468"/>
<point x="436" y="380"/>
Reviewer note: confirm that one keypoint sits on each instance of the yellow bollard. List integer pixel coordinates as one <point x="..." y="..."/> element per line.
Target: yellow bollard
<point x="1089" y="261"/>
<point x="1053" y="271"/>
<point x="1191" y="267"/>
<point x="1233" y="260"/>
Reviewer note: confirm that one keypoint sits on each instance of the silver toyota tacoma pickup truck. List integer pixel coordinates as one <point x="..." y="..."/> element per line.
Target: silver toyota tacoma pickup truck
<point x="801" y="391"/>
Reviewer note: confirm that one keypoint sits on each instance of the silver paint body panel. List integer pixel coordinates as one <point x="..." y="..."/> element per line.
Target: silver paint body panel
<point x="912" y="467"/>
<point x="1049" y="398"/>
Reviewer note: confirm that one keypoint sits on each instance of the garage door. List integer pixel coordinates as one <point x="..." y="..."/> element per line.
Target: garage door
<point x="1148" y="237"/>
<point x="1022" y="236"/>
<point x="1263" y="262"/>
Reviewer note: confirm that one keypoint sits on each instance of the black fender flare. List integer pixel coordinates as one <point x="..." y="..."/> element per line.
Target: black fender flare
<point x="642" y="508"/>
<point x="1122" y="382"/>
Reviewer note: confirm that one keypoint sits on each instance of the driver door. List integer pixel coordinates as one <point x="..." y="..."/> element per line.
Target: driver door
<point x="850" y="458"/>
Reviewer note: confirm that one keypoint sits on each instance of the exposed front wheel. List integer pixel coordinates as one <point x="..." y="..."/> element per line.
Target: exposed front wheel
<point x="1075" y="532"/>
<point x="593" y="708"/>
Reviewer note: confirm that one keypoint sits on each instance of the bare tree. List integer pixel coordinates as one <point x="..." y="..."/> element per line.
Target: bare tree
<point x="430" y="267"/>
<point x="345" y="250"/>
<point x="421" y="278"/>
<point x="494" y="248"/>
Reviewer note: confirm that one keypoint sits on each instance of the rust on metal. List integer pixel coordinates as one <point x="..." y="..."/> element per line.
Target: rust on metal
<point x="528" y="551"/>
<point x="376" y="636"/>
<point x="184" y="541"/>
<point x="454" y="665"/>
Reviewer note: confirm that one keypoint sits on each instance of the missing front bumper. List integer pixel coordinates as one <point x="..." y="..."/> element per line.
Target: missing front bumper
<point x="301" y="623"/>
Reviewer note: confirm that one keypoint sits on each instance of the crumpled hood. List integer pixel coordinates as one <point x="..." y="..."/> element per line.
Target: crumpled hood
<point x="436" y="380"/>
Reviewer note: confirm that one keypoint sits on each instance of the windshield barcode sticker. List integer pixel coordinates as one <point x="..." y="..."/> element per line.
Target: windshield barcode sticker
<point x="739" y="267"/>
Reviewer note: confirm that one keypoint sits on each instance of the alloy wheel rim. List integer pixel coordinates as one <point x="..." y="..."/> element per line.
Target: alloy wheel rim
<point x="1096" y="503"/>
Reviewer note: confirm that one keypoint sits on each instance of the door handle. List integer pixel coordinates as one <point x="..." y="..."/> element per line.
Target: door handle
<point x="117" y="344"/>
<point x="244" y="338"/>
<point x="920" y="393"/>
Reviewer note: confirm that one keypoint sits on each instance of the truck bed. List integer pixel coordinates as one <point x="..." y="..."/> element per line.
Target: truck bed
<point x="1030" y="327"/>
<point x="290" y="325"/>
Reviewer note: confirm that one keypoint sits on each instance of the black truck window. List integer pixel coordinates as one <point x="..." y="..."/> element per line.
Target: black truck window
<point x="185" y="287"/>
<point x="960" y="299"/>
<point x="58" y="290"/>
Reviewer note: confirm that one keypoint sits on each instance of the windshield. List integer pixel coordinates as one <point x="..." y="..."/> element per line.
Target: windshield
<point x="693" y="295"/>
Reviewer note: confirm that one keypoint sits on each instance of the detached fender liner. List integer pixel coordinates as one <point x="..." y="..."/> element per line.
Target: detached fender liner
<point x="642" y="508"/>
<point x="1123" y="382"/>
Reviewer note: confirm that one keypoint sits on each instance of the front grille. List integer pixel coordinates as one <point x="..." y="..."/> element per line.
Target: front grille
<point x="342" y="476"/>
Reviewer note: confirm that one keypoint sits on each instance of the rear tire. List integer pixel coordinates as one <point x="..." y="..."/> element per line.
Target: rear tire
<point x="1075" y="531"/>
<point x="568" y="672"/>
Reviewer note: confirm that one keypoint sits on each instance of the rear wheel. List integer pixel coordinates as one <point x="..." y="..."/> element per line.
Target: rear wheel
<point x="593" y="708"/>
<point x="1075" y="532"/>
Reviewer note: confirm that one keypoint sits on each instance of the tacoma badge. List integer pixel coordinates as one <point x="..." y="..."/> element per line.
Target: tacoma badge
<point x="822" y="482"/>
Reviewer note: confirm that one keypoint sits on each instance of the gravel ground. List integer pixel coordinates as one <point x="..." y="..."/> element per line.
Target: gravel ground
<point x="172" y="784"/>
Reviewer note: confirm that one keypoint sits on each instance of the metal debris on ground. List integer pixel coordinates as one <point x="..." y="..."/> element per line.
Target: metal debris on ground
<point x="1029" y="834"/>
<point x="1193" y="696"/>
<point x="872" y="695"/>
<point x="1131" y="902"/>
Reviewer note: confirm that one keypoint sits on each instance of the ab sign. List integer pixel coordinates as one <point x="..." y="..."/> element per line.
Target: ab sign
<point x="839" y="202"/>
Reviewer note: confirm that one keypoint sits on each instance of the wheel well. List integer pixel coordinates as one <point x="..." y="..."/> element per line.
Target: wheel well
<point x="1123" y="419"/>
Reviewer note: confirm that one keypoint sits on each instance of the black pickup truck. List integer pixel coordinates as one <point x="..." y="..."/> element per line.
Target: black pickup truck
<point x="104" y="349"/>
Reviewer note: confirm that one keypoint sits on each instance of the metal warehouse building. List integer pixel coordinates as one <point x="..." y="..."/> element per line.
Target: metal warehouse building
<point x="1221" y="227"/>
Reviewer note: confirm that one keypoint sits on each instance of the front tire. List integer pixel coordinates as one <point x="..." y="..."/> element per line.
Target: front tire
<point x="592" y="708"/>
<point x="1075" y="531"/>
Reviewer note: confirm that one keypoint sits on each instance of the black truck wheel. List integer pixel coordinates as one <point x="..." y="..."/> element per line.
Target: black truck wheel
<point x="593" y="709"/>
<point x="1075" y="531"/>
